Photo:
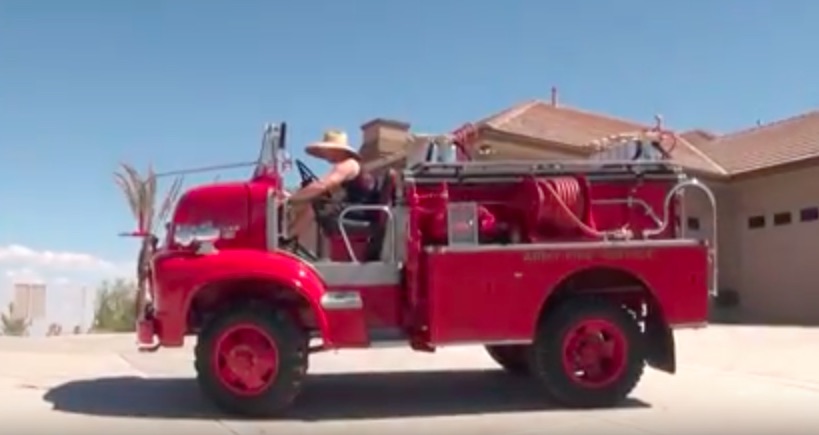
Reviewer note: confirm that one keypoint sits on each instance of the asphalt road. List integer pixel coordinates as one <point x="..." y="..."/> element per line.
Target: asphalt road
<point x="748" y="380"/>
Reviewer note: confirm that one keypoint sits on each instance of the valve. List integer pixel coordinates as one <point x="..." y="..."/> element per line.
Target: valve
<point x="465" y="135"/>
<point x="657" y="135"/>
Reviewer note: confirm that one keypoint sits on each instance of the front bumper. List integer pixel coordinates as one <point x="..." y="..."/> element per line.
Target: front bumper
<point x="147" y="331"/>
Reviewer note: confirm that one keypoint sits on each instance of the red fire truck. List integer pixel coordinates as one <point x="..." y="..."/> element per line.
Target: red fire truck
<point x="572" y="272"/>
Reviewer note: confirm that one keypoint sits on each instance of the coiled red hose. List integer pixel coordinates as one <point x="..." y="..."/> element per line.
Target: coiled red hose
<point x="564" y="204"/>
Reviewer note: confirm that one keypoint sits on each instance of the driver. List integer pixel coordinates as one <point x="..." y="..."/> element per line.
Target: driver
<point x="345" y="176"/>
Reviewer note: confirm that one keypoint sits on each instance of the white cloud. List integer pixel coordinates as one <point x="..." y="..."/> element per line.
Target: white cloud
<point x="23" y="274"/>
<point x="57" y="269"/>
<point x="28" y="257"/>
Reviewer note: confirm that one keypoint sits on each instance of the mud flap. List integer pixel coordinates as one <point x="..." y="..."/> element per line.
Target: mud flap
<point x="660" y="353"/>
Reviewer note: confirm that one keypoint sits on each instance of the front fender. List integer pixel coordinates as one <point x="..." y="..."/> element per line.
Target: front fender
<point x="179" y="278"/>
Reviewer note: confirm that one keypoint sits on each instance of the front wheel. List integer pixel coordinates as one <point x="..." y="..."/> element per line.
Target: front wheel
<point x="588" y="353"/>
<point x="251" y="361"/>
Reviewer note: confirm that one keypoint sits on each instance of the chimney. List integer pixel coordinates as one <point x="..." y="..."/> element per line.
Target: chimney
<point x="554" y="96"/>
<point x="382" y="137"/>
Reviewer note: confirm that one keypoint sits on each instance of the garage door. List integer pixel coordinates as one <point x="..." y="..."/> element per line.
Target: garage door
<point x="780" y="268"/>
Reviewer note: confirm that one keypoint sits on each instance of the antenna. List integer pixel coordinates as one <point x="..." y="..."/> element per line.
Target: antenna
<point x="280" y="130"/>
<point x="282" y="135"/>
<point x="204" y="169"/>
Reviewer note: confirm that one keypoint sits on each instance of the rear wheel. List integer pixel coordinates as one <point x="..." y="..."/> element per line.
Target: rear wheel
<point x="588" y="353"/>
<point x="251" y="361"/>
<point x="513" y="358"/>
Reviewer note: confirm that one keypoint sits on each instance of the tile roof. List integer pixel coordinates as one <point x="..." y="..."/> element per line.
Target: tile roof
<point x="761" y="147"/>
<point x="689" y="156"/>
<point x="787" y="141"/>
<point x="697" y="136"/>
<point x="560" y="124"/>
<point x="574" y="127"/>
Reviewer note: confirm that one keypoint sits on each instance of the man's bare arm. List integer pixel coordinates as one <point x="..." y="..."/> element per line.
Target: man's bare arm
<point x="339" y="174"/>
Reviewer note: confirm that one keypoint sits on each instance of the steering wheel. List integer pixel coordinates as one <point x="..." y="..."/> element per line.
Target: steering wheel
<point x="307" y="177"/>
<point x="306" y="174"/>
<point x="320" y="202"/>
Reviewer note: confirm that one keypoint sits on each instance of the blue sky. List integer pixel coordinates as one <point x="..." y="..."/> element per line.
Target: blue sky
<point x="85" y="84"/>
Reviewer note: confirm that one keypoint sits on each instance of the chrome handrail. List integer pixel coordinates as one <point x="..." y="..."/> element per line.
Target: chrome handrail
<point x="272" y="224"/>
<point x="712" y="200"/>
<point x="285" y="224"/>
<point x="273" y="234"/>
<point x="379" y="208"/>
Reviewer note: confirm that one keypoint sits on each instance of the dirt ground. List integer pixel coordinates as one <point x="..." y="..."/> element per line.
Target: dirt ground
<point x="739" y="379"/>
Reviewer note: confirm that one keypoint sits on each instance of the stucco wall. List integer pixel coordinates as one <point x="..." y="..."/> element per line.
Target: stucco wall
<point x="697" y="207"/>
<point x="779" y="263"/>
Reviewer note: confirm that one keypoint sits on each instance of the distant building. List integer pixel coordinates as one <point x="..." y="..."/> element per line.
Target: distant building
<point x="29" y="301"/>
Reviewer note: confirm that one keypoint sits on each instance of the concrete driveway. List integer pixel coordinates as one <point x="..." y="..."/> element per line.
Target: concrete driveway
<point x="732" y="379"/>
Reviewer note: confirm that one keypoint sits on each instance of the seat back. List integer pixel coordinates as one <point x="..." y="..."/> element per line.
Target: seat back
<point x="380" y="221"/>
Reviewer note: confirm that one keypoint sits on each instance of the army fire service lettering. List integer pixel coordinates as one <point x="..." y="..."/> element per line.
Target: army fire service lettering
<point x="588" y="255"/>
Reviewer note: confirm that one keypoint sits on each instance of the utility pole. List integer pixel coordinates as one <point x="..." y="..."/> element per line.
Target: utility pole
<point x="83" y="308"/>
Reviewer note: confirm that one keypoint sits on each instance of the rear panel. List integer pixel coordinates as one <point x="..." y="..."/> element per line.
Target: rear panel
<point x="496" y="294"/>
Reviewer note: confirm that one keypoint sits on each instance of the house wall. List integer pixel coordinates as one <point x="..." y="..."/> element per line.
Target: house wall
<point x="699" y="224"/>
<point x="779" y="260"/>
<point x="774" y="268"/>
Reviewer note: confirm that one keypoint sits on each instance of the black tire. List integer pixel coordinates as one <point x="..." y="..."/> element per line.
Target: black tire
<point x="547" y="353"/>
<point x="513" y="358"/>
<point x="291" y="346"/>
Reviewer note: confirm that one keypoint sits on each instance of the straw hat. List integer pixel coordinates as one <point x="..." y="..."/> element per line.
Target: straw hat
<point x="332" y="141"/>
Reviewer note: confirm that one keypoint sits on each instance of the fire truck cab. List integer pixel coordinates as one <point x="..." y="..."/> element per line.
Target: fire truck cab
<point x="572" y="272"/>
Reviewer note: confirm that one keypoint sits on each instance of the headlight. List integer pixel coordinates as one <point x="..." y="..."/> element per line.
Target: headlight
<point x="187" y="235"/>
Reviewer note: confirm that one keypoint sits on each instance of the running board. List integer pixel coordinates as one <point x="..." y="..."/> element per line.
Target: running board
<point x="379" y="337"/>
<point x="386" y="334"/>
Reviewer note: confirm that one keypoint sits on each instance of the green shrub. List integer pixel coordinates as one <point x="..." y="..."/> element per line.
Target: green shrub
<point x="12" y="326"/>
<point x="115" y="307"/>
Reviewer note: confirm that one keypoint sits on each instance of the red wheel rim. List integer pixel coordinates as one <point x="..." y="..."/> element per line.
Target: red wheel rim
<point x="595" y="352"/>
<point x="245" y="359"/>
